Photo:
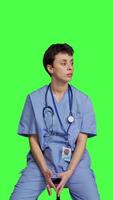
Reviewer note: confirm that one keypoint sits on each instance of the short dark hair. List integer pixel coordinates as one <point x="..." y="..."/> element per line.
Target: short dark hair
<point x="53" y="50"/>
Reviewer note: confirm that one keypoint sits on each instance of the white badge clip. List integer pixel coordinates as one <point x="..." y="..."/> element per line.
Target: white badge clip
<point x="66" y="153"/>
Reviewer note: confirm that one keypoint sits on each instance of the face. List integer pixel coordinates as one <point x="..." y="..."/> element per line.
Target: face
<point x="62" y="68"/>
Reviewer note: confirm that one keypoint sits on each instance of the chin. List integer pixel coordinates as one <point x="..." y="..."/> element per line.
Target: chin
<point x="69" y="78"/>
<point x="66" y="80"/>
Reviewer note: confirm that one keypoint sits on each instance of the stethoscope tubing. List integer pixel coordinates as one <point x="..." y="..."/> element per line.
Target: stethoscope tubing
<point x="70" y="96"/>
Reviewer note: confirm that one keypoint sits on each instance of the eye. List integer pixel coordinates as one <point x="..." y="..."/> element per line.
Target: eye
<point x="63" y="63"/>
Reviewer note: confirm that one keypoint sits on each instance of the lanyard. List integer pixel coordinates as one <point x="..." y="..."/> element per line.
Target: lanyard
<point x="70" y="106"/>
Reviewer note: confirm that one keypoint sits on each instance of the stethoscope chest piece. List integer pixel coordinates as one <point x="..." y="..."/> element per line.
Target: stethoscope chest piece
<point x="70" y="119"/>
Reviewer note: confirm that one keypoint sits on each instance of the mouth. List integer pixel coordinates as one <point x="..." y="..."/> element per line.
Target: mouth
<point x="69" y="75"/>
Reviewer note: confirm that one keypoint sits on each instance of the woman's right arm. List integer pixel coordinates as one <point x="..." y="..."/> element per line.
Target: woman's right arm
<point x="37" y="153"/>
<point x="40" y="160"/>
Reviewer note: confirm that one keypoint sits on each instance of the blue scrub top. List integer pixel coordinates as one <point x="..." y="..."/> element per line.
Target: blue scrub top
<point x="32" y="122"/>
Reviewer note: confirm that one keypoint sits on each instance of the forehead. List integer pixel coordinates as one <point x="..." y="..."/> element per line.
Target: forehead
<point x="63" y="57"/>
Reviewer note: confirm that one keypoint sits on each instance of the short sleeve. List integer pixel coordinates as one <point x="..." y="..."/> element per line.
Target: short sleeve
<point x="88" y="119"/>
<point x="27" y="124"/>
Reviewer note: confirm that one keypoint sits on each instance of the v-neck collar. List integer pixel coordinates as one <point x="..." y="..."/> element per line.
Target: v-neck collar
<point x="59" y="102"/>
<point x="62" y="98"/>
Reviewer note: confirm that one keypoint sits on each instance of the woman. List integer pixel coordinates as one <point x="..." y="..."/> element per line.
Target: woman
<point x="57" y="118"/>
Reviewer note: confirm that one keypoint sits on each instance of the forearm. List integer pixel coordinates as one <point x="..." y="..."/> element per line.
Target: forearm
<point x="37" y="153"/>
<point x="78" y="152"/>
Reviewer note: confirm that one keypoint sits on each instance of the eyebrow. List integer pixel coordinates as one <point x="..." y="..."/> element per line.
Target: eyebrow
<point x="66" y="60"/>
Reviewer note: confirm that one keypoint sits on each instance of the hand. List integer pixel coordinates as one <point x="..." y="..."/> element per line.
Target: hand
<point x="64" y="178"/>
<point x="48" y="175"/>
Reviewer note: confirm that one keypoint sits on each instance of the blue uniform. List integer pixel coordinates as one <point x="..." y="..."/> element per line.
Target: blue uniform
<point x="82" y="183"/>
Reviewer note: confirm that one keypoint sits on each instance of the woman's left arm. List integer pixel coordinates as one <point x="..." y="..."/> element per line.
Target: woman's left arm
<point x="77" y="155"/>
<point x="78" y="152"/>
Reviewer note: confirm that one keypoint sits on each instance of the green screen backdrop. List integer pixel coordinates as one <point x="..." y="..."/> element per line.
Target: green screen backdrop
<point x="27" y="30"/>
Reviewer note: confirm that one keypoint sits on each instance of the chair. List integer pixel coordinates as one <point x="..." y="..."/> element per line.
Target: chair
<point x="56" y="181"/>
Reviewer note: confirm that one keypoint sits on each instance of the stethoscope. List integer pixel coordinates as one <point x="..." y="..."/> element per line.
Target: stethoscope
<point x="47" y="110"/>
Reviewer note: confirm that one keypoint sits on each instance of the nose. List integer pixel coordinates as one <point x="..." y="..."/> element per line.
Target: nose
<point x="69" y="66"/>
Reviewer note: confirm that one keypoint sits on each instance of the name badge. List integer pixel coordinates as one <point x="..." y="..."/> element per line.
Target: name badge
<point x="66" y="153"/>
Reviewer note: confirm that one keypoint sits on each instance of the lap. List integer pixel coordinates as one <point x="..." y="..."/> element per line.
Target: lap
<point x="30" y="184"/>
<point x="82" y="185"/>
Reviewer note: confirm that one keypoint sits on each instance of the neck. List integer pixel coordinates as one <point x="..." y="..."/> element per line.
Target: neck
<point x="58" y="87"/>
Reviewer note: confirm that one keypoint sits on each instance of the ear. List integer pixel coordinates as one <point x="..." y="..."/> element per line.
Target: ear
<point x="50" y="69"/>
